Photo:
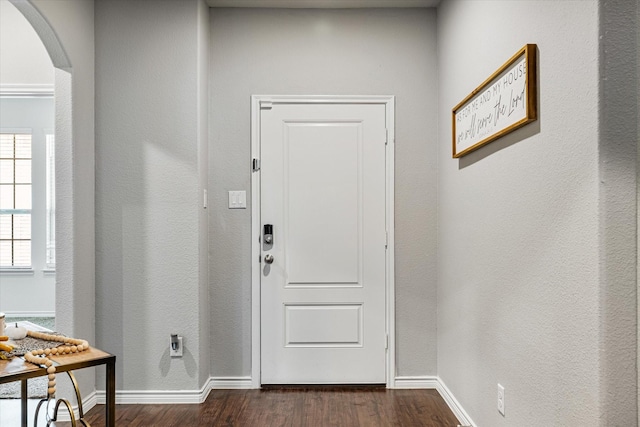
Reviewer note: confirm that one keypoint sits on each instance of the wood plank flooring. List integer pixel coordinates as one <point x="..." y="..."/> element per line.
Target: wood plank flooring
<point x="294" y="407"/>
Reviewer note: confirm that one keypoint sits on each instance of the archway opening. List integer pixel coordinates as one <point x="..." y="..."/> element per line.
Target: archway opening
<point x="27" y="172"/>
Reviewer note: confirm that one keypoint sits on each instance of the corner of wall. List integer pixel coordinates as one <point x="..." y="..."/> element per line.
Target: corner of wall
<point x="203" y="174"/>
<point x="618" y="216"/>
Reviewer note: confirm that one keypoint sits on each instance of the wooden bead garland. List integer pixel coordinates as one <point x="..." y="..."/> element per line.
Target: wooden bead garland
<point x="40" y="357"/>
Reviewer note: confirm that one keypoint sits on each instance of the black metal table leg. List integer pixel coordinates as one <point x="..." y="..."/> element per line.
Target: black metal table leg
<point x="24" y="398"/>
<point x="111" y="393"/>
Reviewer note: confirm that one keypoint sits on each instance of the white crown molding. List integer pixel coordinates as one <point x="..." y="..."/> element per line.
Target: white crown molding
<point x="26" y="90"/>
<point x="322" y="4"/>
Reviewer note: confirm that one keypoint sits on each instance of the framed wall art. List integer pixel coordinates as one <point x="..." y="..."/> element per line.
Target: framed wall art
<point x="504" y="102"/>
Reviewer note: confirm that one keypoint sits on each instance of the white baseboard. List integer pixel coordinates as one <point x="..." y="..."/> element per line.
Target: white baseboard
<point x="430" y="382"/>
<point x="416" y="382"/>
<point x="177" y="396"/>
<point x="231" y="383"/>
<point x="30" y="313"/>
<point x="161" y="397"/>
<point x="454" y="405"/>
<point x="87" y="404"/>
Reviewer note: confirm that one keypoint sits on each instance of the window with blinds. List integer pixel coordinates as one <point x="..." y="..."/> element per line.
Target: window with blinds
<point x="15" y="200"/>
<point x="50" y="259"/>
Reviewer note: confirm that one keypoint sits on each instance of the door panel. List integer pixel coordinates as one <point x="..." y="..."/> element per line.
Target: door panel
<point x="322" y="204"/>
<point x="323" y="296"/>
<point x="323" y="325"/>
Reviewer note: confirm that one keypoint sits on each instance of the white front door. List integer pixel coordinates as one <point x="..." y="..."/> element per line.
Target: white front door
<point x="323" y="306"/>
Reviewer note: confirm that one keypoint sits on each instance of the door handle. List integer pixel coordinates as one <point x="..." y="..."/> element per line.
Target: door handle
<point x="268" y="258"/>
<point x="268" y="234"/>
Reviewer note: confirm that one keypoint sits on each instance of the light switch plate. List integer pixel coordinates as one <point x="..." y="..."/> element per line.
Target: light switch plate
<point x="237" y="199"/>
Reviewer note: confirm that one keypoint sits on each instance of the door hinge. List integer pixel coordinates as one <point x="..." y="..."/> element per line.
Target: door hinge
<point x="386" y="239"/>
<point x="386" y="344"/>
<point x="386" y="136"/>
<point x="255" y="165"/>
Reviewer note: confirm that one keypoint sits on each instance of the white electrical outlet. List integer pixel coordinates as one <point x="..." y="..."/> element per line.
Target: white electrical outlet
<point x="501" y="399"/>
<point x="175" y="347"/>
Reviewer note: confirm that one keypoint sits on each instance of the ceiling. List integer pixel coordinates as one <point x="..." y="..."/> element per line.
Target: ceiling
<point x="323" y="4"/>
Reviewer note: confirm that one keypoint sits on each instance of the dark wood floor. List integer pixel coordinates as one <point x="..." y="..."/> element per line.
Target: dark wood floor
<point x="295" y="407"/>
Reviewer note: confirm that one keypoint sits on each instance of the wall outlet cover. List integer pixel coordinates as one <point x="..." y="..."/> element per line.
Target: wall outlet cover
<point x="177" y="351"/>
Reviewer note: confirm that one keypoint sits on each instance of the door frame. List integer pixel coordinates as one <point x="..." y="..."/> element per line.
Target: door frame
<point x="266" y="101"/>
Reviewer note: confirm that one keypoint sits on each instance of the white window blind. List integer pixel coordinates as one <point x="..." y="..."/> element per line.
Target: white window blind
<point x="51" y="203"/>
<point x="15" y="200"/>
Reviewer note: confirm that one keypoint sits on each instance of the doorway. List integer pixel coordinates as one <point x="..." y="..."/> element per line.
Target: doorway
<point x="322" y="193"/>
<point x="27" y="173"/>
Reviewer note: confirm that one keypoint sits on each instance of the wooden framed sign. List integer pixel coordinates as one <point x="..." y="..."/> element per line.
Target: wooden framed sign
<point x="507" y="100"/>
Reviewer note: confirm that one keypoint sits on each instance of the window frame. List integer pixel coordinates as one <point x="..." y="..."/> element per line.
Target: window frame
<point x="38" y="203"/>
<point x="20" y="211"/>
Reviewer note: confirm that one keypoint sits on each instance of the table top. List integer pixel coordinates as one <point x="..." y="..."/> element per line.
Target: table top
<point x="18" y="369"/>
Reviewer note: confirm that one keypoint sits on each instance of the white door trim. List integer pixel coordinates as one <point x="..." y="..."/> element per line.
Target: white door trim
<point x="267" y="100"/>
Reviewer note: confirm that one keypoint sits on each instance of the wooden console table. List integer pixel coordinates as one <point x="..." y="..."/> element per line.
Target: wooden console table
<point x="19" y="370"/>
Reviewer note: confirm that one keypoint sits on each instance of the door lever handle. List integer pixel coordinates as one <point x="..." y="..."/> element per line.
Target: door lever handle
<point x="268" y="258"/>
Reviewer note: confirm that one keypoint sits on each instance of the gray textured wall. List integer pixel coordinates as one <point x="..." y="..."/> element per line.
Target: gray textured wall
<point x="324" y="52"/>
<point x="537" y="229"/>
<point x="148" y="191"/>
<point x="618" y="146"/>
